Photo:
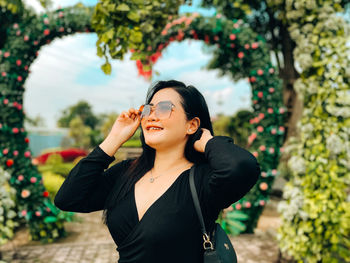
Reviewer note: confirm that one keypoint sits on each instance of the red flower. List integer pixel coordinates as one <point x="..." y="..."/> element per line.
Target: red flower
<point x="46" y="194"/>
<point x="46" y="32"/>
<point x="232" y="36"/>
<point x="252" y="79"/>
<point x="206" y="39"/>
<point x="9" y="162"/>
<point x="3" y="74"/>
<point x="15" y="130"/>
<point x="260" y="72"/>
<point x="18" y="62"/>
<point x="240" y="55"/>
<point x="260" y="94"/>
<point x="19" y="78"/>
<point x="26" y="140"/>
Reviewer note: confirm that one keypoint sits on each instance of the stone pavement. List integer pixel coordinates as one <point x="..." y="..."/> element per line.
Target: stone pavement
<point x="89" y="241"/>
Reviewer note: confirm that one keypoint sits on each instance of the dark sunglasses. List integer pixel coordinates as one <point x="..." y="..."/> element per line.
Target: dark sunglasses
<point x="163" y="109"/>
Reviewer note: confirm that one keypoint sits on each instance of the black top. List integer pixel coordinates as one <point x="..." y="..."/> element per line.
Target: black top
<point x="169" y="231"/>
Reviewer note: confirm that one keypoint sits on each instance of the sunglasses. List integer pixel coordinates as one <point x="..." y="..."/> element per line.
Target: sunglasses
<point x="163" y="109"/>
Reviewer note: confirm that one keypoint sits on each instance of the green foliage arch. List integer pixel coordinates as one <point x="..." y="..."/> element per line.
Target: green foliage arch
<point x="23" y="39"/>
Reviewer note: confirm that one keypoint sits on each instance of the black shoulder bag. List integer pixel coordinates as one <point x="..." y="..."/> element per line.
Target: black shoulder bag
<point x="221" y="250"/>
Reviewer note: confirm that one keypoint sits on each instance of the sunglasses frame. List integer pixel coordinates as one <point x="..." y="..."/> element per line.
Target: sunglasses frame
<point x="152" y="106"/>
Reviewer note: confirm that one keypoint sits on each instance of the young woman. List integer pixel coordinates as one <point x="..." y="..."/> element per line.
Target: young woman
<point x="147" y="203"/>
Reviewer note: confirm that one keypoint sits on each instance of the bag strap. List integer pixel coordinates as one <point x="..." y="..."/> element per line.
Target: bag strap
<point x="207" y="243"/>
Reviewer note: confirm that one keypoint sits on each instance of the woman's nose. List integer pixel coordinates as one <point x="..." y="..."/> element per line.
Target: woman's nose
<point x="152" y="115"/>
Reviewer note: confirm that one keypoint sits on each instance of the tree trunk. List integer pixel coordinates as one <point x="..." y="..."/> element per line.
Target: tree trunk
<point x="289" y="75"/>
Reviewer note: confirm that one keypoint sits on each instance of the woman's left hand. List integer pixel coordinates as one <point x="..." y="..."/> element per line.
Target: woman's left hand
<point x="200" y="144"/>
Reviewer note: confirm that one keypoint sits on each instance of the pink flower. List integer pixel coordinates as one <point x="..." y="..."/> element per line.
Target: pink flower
<point x="260" y="129"/>
<point x="263" y="186"/>
<point x="271" y="150"/>
<point x="271" y="90"/>
<point x="262" y="202"/>
<point x="15" y="130"/>
<point x="271" y="70"/>
<point x="232" y="36"/>
<point x="255" y="45"/>
<point x="20" y="177"/>
<point x="33" y="179"/>
<point x="15" y="153"/>
<point x="248" y="204"/>
<point x="260" y="72"/>
<point x="6" y="54"/>
<point x="281" y="110"/>
<point x="24" y="212"/>
<point x="25" y="38"/>
<point x="238" y="206"/>
<point x="27" y="154"/>
<point x="255" y="154"/>
<point x="246" y="46"/>
<point x="270" y="110"/>
<point x="261" y="115"/>
<point x="263" y="174"/>
<point x="273" y="131"/>
<point x="3" y="74"/>
<point x="281" y="128"/>
<point x="262" y="148"/>
<point x="240" y="55"/>
<point x="260" y="94"/>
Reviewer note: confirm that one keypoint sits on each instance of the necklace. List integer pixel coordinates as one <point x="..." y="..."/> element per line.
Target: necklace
<point x="153" y="178"/>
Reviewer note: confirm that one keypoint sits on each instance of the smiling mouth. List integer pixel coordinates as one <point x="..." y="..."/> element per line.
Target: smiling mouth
<point x="154" y="129"/>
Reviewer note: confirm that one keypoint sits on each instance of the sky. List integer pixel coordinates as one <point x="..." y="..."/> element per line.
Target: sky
<point x="68" y="70"/>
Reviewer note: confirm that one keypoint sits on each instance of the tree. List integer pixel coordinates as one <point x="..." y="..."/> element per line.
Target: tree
<point x="83" y="110"/>
<point x="267" y="18"/>
<point x="80" y="133"/>
<point x="139" y="22"/>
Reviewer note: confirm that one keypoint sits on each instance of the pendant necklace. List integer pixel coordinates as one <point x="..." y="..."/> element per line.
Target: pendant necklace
<point x="153" y="178"/>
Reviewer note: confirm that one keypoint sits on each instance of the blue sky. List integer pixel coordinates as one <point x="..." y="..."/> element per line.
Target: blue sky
<point x="68" y="70"/>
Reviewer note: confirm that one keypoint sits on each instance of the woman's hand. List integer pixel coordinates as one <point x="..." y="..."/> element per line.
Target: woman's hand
<point x="123" y="128"/>
<point x="125" y="125"/>
<point x="200" y="144"/>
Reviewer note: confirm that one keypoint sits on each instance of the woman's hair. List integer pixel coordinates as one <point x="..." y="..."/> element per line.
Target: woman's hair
<point x="194" y="105"/>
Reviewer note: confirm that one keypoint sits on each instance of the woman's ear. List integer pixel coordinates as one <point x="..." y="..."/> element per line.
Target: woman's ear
<point x="194" y="125"/>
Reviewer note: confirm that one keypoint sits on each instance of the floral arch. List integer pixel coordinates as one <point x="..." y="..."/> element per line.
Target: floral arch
<point x="241" y="50"/>
<point x="24" y="40"/>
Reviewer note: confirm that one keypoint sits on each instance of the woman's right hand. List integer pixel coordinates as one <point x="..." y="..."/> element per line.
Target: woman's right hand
<point x="123" y="128"/>
<point x="125" y="125"/>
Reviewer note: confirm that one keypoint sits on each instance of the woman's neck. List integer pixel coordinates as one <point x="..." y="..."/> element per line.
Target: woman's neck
<point x="171" y="157"/>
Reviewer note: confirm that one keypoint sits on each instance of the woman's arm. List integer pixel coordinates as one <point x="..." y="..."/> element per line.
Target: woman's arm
<point x="233" y="172"/>
<point x="87" y="185"/>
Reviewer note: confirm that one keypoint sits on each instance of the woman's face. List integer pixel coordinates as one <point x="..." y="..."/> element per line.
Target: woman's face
<point x="174" y="129"/>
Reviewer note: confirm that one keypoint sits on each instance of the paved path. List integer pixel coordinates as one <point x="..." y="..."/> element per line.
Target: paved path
<point x="90" y="242"/>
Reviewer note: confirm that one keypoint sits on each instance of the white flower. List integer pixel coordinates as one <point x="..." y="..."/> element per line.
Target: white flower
<point x="334" y="144"/>
<point x="297" y="164"/>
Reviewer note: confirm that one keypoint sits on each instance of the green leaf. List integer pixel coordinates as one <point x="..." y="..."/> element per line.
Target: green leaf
<point x="50" y="219"/>
<point x="136" y="36"/>
<point x="107" y="69"/>
<point x="133" y="16"/>
<point x="123" y="8"/>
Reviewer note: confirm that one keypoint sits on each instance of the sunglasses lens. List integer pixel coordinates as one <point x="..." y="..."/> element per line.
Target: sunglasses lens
<point x="145" y="110"/>
<point x="163" y="109"/>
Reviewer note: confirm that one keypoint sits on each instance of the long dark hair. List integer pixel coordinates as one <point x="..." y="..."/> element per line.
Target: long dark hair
<point x="194" y="105"/>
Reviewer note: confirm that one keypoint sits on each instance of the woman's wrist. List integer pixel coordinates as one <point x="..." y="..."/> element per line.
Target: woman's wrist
<point x="111" y="144"/>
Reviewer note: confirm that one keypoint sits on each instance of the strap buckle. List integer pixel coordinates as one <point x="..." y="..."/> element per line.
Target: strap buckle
<point x="207" y="243"/>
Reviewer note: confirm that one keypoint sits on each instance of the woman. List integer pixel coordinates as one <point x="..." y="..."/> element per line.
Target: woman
<point x="147" y="202"/>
